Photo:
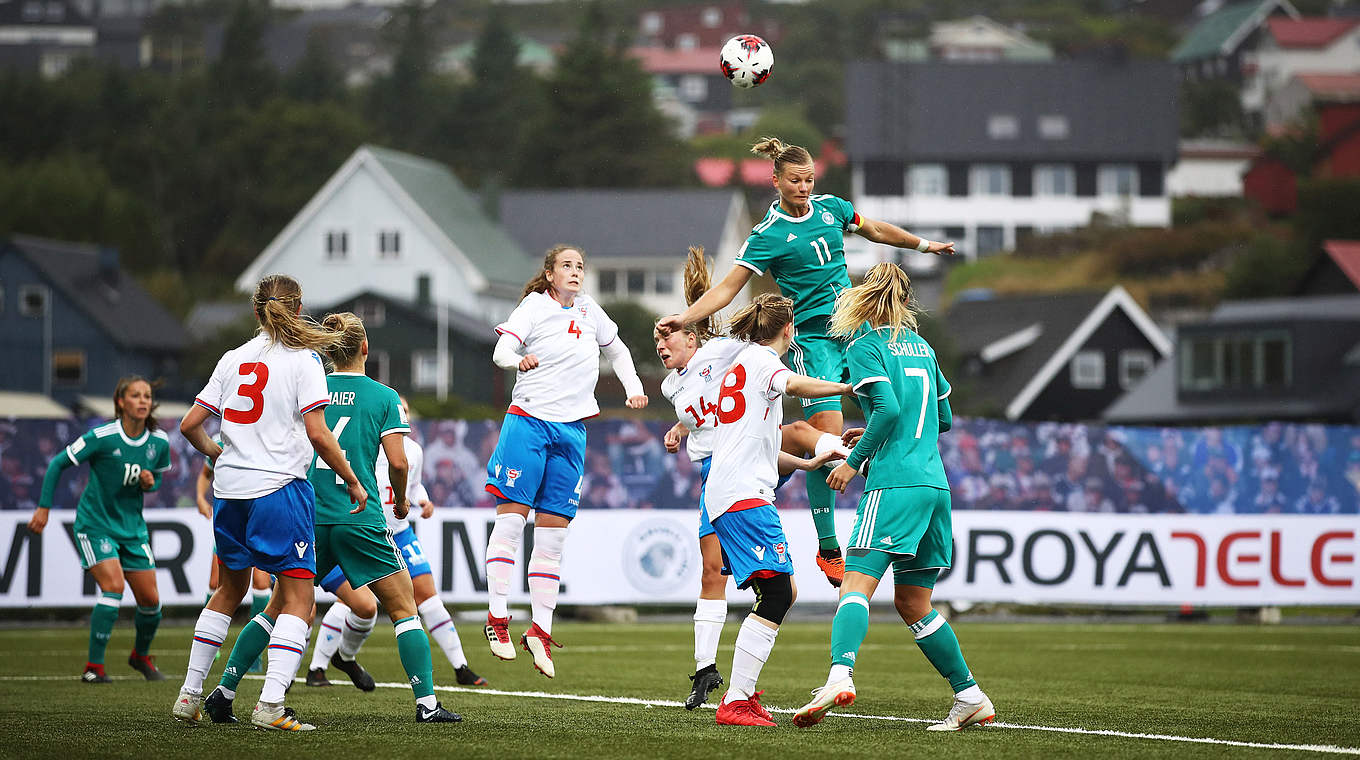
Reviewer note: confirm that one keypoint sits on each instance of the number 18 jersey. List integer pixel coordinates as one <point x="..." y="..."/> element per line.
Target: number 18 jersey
<point x="261" y="390"/>
<point x="694" y="392"/>
<point x="745" y="468"/>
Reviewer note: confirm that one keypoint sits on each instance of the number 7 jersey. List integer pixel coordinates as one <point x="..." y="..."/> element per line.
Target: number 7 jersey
<point x="745" y="467"/>
<point x="261" y="389"/>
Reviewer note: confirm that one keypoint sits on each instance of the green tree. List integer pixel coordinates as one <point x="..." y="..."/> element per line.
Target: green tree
<point x="635" y="323"/>
<point x="1211" y="109"/>
<point x="1266" y="268"/>
<point x="316" y="78"/>
<point x="242" y="76"/>
<point x="601" y="127"/>
<point x="398" y="103"/>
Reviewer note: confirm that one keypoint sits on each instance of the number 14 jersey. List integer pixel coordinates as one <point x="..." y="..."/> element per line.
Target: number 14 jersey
<point x="745" y="468"/>
<point x="694" y="392"/>
<point x="261" y="389"/>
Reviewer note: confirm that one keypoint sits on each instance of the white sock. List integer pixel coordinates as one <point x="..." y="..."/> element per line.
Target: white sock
<point x="286" y="645"/>
<point x="209" y="633"/>
<point x="709" y="616"/>
<point x="501" y="549"/>
<point x="754" y="642"/>
<point x="545" y="567"/>
<point x="440" y="625"/>
<point x="830" y="442"/>
<point x="355" y="634"/>
<point x="839" y="672"/>
<point x="972" y="695"/>
<point x="328" y="636"/>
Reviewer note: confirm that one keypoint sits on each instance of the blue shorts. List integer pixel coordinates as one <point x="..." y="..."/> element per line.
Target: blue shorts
<point x="274" y="532"/>
<point x="752" y="541"/>
<point x="705" y="525"/>
<point x="412" y="552"/>
<point x="539" y="464"/>
<point x="333" y="580"/>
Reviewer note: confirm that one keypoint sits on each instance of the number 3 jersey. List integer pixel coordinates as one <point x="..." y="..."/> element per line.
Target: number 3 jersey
<point x="111" y="505"/>
<point x="694" y="392"/>
<point x="567" y="342"/>
<point x="362" y="412"/>
<point x="745" y="467"/>
<point x="261" y="389"/>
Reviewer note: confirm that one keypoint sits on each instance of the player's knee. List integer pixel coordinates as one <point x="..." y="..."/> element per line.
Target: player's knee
<point x="774" y="597"/>
<point x="911" y="604"/>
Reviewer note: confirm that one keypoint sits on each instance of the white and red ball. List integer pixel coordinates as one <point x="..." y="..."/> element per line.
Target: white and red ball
<point x="746" y="60"/>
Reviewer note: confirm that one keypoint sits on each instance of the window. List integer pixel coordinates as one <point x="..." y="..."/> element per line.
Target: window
<point x="1055" y="180"/>
<point x="686" y="42"/>
<point x="1241" y="361"/>
<point x="373" y="313"/>
<point x="423" y="290"/>
<point x="33" y="11"/>
<point x="425" y="370"/>
<point x="663" y="281"/>
<point x="990" y="239"/>
<point x="651" y="23"/>
<point x="1117" y="179"/>
<point x="884" y="178"/>
<point x="608" y="281"/>
<point x="68" y="366"/>
<point x="637" y="281"/>
<point x="389" y="244"/>
<point x="1053" y="127"/>
<point x="1134" y="364"/>
<point x="990" y="179"/>
<point x="1003" y="126"/>
<point x="693" y="88"/>
<point x="32" y="300"/>
<point x="56" y="12"/>
<point x="712" y="17"/>
<point x="379" y="367"/>
<point x="928" y="179"/>
<point x="1088" y="370"/>
<point x="337" y="244"/>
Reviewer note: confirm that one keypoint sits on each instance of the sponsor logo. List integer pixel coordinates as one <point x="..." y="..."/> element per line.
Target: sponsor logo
<point x="851" y="657"/>
<point x="151" y="452"/>
<point x="827" y="218"/>
<point x="511" y="475"/>
<point x="792" y="237"/>
<point x="659" y="556"/>
<point x="707" y="373"/>
<point x="415" y="680"/>
<point x="759" y="552"/>
<point x="401" y="414"/>
<point x="779" y="549"/>
<point x="105" y="546"/>
<point x="498" y="471"/>
<point x="301" y="547"/>
<point x="77" y="446"/>
<point x="231" y="670"/>
<point x="117" y="452"/>
<point x="886" y="540"/>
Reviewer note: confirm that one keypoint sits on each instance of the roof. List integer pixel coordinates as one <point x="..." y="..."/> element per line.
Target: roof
<point x="982" y="32"/>
<point x="1332" y="87"/>
<point x="1221" y="31"/>
<point x="472" y="327"/>
<point x="16" y="405"/>
<point x="659" y="60"/>
<point x="458" y="214"/>
<point x="208" y="318"/>
<point x="1345" y="307"/>
<point x="618" y="223"/>
<point x="54" y="13"/>
<point x="1309" y="32"/>
<point x="120" y="307"/>
<point x="913" y="111"/>
<point x="1346" y="254"/>
<point x="1027" y="338"/>
<point x="1212" y="147"/>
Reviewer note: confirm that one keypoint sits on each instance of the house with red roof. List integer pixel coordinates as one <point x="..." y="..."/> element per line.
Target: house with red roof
<point x="1292" y="46"/>
<point x="1336" y="272"/>
<point x="696" y="79"/>
<point x="1335" y="99"/>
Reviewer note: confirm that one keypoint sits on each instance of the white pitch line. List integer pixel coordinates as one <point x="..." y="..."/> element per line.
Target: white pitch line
<point x="1324" y="748"/>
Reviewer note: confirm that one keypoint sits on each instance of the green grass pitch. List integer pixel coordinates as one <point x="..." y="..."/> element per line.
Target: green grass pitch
<point x="1279" y="685"/>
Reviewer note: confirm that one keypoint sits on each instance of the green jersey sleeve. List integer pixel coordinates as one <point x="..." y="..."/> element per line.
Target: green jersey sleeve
<point x="844" y="212"/>
<point x="394" y="417"/>
<point x="866" y="365"/>
<point x="757" y="253"/>
<point x="79" y="452"/>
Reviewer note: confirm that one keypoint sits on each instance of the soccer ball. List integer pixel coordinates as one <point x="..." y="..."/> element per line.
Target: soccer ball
<point x="746" y="60"/>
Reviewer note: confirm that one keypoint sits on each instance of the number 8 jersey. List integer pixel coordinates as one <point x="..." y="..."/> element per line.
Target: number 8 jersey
<point x="745" y="468"/>
<point x="261" y="390"/>
<point x="694" y="392"/>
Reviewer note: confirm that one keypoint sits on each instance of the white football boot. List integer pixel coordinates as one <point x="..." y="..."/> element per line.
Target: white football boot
<point x="965" y="714"/>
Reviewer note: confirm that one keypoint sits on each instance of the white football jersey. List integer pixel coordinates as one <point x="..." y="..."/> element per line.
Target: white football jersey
<point x="567" y="342"/>
<point x="694" y="392"/>
<point x="415" y="490"/>
<point x="261" y="390"/>
<point x="745" y="466"/>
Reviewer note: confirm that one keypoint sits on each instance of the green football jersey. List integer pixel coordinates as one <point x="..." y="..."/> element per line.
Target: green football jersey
<point x="111" y="504"/>
<point x="806" y="255"/>
<point x="361" y="412"/>
<point x="910" y="454"/>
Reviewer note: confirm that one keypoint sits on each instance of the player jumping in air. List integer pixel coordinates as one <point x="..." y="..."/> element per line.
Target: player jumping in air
<point x="554" y="338"/>
<point x="903" y="519"/>
<point x="698" y="359"/>
<point x="739" y="492"/>
<point x="339" y="626"/>
<point x="271" y="394"/>
<point x="127" y="458"/>
<point x="801" y="243"/>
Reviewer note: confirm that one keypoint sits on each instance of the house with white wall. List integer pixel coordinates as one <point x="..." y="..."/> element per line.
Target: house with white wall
<point x="1290" y="46"/>
<point x="1210" y="167"/>
<point x="984" y="154"/>
<point x="401" y="226"/>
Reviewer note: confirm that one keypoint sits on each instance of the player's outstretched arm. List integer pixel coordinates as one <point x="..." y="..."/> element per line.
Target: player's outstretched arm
<point x="323" y="441"/>
<point x="810" y="387"/>
<point x="622" y="361"/>
<point x="883" y="411"/>
<point x="710" y="303"/>
<point x="888" y="233"/>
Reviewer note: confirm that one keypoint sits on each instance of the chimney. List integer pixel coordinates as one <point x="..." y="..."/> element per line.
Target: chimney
<point x="108" y="266"/>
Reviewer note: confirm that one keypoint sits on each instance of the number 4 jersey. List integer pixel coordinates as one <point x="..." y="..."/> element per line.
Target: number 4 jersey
<point x="745" y="468"/>
<point x="261" y="390"/>
<point x="694" y="392"/>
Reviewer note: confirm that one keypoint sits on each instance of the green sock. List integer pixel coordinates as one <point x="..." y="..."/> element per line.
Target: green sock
<point x="413" y="646"/>
<point x="939" y="644"/>
<point x="147" y="620"/>
<point x="250" y="643"/>
<point x="848" y="628"/>
<point x="823" y="504"/>
<point x="103" y="617"/>
<point x="259" y="599"/>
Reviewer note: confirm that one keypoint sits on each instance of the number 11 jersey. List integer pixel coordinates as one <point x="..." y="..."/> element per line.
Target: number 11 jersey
<point x="745" y="468"/>
<point x="261" y="389"/>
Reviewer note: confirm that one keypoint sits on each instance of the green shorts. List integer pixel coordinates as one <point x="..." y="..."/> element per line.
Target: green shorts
<point x="813" y="353"/>
<point x="364" y="553"/>
<point x="908" y="528"/>
<point x="131" y="553"/>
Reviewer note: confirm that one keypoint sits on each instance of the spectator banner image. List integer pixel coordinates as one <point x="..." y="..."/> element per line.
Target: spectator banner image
<point x="652" y="556"/>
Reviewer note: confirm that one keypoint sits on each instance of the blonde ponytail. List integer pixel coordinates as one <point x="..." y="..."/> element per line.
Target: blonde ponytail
<point x="277" y="301"/>
<point x="883" y="299"/>
<point x="351" y="329"/>
<point x="698" y="280"/>
<point x="783" y="155"/>
<point x="763" y="319"/>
